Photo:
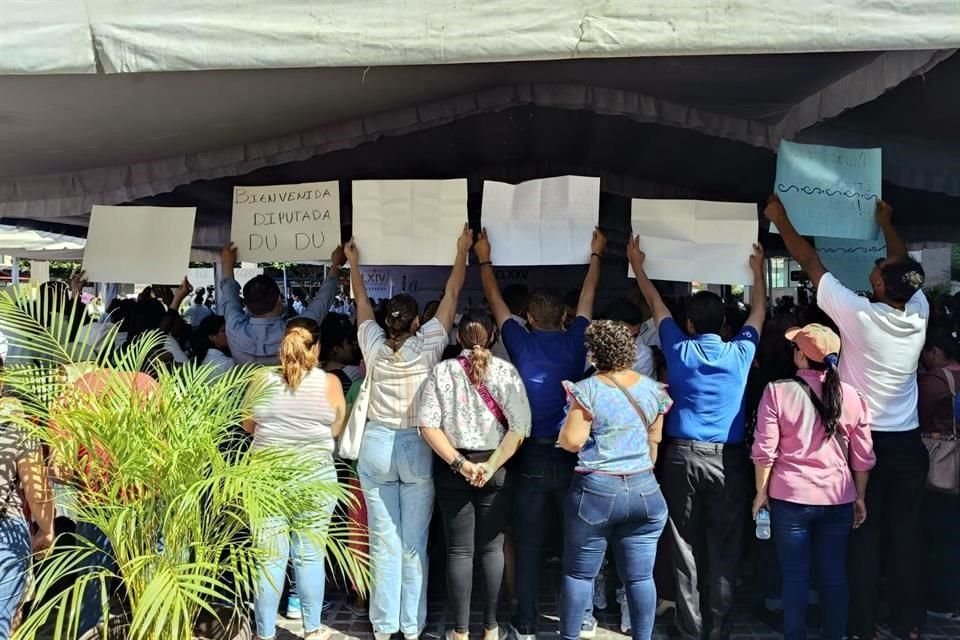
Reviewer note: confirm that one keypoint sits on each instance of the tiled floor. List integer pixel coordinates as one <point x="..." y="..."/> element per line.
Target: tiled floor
<point x="746" y="627"/>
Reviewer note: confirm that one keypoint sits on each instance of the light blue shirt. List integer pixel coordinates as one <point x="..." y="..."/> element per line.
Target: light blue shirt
<point x="257" y="340"/>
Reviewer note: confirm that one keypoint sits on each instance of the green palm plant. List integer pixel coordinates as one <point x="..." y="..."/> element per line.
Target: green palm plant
<point x="158" y="474"/>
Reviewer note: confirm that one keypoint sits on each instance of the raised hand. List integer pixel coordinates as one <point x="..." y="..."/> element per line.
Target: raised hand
<point x="228" y="256"/>
<point x="598" y="243"/>
<point x="465" y="240"/>
<point x="352" y="252"/>
<point x="338" y="257"/>
<point x="634" y="254"/>
<point x="184" y="289"/>
<point x="78" y="281"/>
<point x="482" y="246"/>
<point x="774" y="210"/>
<point x="756" y="260"/>
<point x="884" y="214"/>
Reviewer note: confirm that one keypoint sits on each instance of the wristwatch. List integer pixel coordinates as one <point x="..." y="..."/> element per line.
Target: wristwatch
<point x="457" y="463"/>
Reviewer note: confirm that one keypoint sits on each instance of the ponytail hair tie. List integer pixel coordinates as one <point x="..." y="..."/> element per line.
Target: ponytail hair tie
<point x="395" y="314"/>
<point x="832" y="360"/>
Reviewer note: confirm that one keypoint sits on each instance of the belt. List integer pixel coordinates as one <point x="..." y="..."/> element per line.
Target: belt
<point x="710" y="446"/>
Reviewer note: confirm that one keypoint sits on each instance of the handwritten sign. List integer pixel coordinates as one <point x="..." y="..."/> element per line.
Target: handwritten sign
<point x="694" y="240"/>
<point x="829" y="191"/>
<point x="286" y="223"/>
<point x="139" y="244"/>
<point x="408" y="222"/>
<point x="541" y="222"/>
<point x="851" y="261"/>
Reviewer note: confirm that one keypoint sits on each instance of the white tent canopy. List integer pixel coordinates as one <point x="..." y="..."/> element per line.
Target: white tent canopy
<point x="30" y="244"/>
<point x="263" y="84"/>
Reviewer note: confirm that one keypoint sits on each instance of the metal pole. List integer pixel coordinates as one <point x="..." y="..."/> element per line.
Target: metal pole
<point x="15" y="271"/>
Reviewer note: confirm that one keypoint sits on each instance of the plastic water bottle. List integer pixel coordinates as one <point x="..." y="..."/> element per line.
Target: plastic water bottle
<point x="763" y="525"/>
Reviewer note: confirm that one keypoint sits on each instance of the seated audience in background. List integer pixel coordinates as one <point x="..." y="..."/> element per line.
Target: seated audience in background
<point x="197" y="311"/>
<point x="545" y="355"/>
<point x="706" y="471"/>
<point x="256" y="337"/>
<point x="395" y="465"/>
<point x="939" y="412"/>
<point x="883" y="336"/>
<point x="338" y="347"/>
<point x="614" y="425"/>
<point x="474" y="414"/>
<point x="813" y="455"/>
<point x="302" y="409"/>
<point x="210" y="346"/>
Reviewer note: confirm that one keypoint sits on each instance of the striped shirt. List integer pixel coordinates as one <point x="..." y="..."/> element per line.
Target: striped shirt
<point x="295" y="419"/>
<point x="398" y="377"/>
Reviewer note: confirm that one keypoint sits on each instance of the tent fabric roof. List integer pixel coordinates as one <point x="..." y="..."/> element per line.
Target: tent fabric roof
<point x="119" y="36"/>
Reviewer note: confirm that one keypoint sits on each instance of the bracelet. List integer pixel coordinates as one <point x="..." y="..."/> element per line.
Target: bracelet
<point x="486" y="264"/>
<point x="597" y="256"/>
<point x="457" y="463"/>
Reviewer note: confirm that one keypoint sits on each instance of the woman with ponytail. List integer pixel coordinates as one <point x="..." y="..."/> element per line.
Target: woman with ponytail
<point x="474" y="414"/>
<point x="813" y="453"/>
<point x="303" y="409"/>
<point x="395" y="465"/>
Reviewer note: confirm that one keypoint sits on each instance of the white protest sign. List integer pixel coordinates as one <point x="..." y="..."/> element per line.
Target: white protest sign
<point x="286" y="223"/>
<point x="829" y="191"/>
<point x="408" y="222"/>
<point x="139" y="244"/>
<point x="541" y="222"/>
<point x="694" y="240"/>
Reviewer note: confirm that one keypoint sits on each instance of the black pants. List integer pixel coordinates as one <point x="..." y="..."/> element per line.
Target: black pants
<point x="473" y="519"/>
<point x="890" y="536"/>
<point x="707" y="487"/>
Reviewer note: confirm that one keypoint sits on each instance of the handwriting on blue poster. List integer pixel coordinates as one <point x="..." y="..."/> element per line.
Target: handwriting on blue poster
<point x="829" y="191"/>
<point x="851" y="261"/>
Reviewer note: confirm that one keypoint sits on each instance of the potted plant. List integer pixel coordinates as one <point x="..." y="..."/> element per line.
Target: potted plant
<point x="158" y="475"/>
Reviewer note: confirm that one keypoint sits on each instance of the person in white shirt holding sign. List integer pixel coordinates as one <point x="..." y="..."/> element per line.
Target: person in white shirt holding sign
<point x="883" y="336"/>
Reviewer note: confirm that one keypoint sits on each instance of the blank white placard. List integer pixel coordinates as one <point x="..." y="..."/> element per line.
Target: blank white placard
<point x="696" y="240"/>
<point x="408" y="222"/>
<point x="139" y="244"/>
<point x="541" y="222"/>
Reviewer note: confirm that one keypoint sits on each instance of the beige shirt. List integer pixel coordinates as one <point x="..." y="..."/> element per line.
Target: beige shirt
<point x="398" y="377"/>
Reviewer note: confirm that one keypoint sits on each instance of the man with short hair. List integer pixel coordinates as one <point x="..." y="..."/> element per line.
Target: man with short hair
<point x="545" y="355"/>
<point x="197" y="312"/>
<point x="882" y="337"/>
<point x="256" y="337"/>
<point x="706" y="468"/>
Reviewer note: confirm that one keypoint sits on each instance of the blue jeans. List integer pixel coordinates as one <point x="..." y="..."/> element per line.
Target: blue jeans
<point x="101" y="560"/>
<point x="14" y="565"/>
<point x="305" y="547"/>
<point x="808" y="537"/>
<point x="396" y="473"/>
<point x="630" y="513"/>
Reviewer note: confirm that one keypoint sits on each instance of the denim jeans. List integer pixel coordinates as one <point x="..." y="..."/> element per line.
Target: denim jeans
<point x="101" y="560"/>
<point x="14" y="565"/>
<point x="396" y="473"/>
<point x="812" y="538"/>
<point x="630" y="513"/>
<point x="304" y="546"/>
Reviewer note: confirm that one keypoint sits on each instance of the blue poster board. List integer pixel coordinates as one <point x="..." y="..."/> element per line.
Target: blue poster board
<point x="829" y="191"/>
<point x="851" y="261"/>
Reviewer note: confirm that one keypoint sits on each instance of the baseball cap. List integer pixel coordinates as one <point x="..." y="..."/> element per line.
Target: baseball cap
<point x="815" y="341"/>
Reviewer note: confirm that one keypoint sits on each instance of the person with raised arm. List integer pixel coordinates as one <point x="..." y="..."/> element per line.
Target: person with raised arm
<point x="395" y="464"/>
<point x="883" y="337"/>
<point x="545" y="355"/>
<point x="706" y="477"/>
<point x="256" y="337"/>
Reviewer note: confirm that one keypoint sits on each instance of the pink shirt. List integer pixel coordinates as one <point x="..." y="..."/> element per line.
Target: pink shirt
<point x="808" y="467"/>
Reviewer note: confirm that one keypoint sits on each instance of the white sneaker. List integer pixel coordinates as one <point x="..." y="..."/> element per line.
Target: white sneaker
<point x="600" y="591"/>
<point x="521" y="636"/>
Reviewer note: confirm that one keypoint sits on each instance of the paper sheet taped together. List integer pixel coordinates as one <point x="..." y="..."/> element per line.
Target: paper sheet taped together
<point x="696" y="240"/>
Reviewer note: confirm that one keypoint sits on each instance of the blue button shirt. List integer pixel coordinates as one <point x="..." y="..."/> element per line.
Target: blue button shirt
<point x="545" y="359"/>
<point x="707" y="379"/>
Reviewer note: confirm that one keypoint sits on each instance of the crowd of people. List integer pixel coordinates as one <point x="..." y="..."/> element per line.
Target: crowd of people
<point x="638" y="428"/>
